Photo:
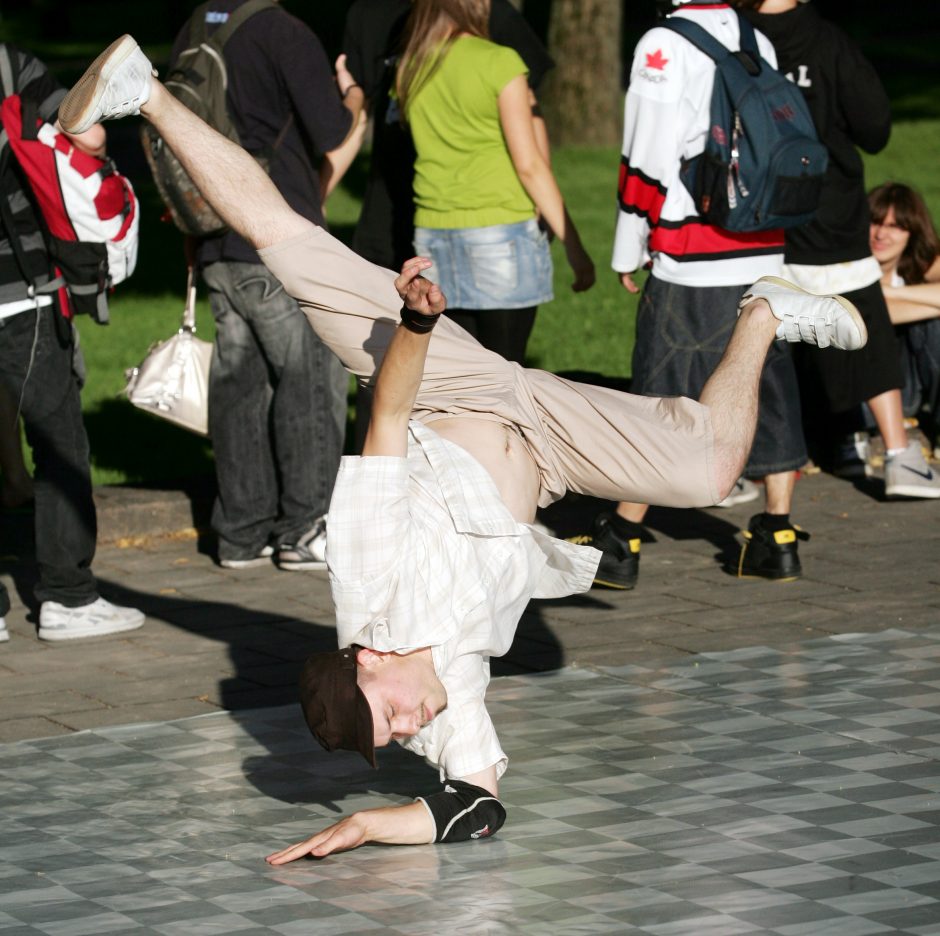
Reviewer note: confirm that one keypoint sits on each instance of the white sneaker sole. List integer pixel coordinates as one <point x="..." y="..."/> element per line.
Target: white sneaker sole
<point x="77" y="110"/>
<point x="919" y="491"/>
<point x="850" y="309"/>
<point x="307" y="565"/>
<point x="53" y="634"/>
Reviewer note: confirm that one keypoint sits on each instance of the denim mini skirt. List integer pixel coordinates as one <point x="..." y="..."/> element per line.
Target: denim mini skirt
<point x="502" y="266"/>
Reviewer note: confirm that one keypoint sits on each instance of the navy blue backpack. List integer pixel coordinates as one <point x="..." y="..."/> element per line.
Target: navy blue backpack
<point x="763" y="164"/>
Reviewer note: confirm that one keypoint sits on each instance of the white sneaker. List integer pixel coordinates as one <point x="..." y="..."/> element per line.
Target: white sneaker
<point x="803" y="316"/>
<point x="57" y="622"/>
<point x="4" y="633"/>
<point x="907" y="474"/>
<point x="309" y="552"/>
<point x="116" y="84"/>
<point x="743" y="492"/>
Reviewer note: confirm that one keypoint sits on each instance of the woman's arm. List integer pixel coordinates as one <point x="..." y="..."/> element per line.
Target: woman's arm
<point x="913" y="303"/>
<point x="515" y="116"/>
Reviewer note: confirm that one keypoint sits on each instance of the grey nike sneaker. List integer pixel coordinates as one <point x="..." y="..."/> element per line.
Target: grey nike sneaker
<point x="907" y="474"/>
<point x="116" y="84"/>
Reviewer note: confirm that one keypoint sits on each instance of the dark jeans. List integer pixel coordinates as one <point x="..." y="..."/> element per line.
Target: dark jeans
<point x="277" y="412"/>
<point x="920" y="361"/>
<point x="681" y="335"/>
<point x="505" y="331"/>
<point x="66" y="526"/>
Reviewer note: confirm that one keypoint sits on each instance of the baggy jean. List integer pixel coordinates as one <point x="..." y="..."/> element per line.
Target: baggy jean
<point x="65" y="520"/>
<point x="277" y="412"/>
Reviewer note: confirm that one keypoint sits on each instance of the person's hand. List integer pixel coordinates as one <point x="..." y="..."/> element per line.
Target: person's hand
<point x="583" y="268"/>
<point x="348" y="833"/>
<point x="416" y="292"/>
<point x="626" y="280"/>
<point x="344" y="78"/>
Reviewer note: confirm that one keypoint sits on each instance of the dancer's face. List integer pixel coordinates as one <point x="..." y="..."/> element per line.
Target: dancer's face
<point x="403" y="692"/>
<point x="888" y="241"/>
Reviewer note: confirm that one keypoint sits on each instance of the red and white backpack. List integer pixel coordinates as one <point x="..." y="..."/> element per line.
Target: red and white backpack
<point x="91" y="214"/>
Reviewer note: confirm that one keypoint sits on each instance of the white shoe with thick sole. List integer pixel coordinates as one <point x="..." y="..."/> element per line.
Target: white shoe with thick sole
<point x="743" y="492"/>
<point x="4" y="633"/>
<point x="116" y="84"/>
<point x="263" y="558"/>
<point x="907" y="474"/>
<point x="57" y="622"/>
<point x="806" y="317"/>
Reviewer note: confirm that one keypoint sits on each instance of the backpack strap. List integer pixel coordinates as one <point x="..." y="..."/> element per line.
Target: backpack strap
<point x="7" y="71"/>
<point x="748" y="55"/>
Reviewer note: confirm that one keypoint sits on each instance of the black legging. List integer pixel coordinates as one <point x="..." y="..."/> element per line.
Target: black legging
<point x="505" y="331"/>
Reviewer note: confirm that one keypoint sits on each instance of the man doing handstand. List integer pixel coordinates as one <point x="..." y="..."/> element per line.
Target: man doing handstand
<point x="431" y="552"/>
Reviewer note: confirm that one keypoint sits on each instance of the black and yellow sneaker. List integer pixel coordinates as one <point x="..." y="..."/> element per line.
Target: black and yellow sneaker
<point x="769" y="553"/>
<point x="620" y="564"/>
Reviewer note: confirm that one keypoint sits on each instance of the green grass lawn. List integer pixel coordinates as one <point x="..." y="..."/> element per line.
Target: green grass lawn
<point x="588" y="332"/>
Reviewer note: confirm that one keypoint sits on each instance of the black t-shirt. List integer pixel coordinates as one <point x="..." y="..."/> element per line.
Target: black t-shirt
<point x="372" y="39"/>
<point x="850" y="109"/>
<point x="278" y="72"/>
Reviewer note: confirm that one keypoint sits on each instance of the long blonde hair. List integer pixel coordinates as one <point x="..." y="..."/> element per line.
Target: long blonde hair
<point x="431" y="29"/>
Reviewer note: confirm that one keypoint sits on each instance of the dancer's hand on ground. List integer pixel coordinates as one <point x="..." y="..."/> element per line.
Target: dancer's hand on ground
<point x="583" y="268"/>
<point x="626" y="280"/>
<point x="341" y="836"/>
<point x="416" y="292"/>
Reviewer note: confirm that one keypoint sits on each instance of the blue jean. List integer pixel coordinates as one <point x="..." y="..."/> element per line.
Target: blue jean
<point x="503" y="266"/>
<point x="681" y="335"/>
<point x="277" y="412"/>
<point x="920" y="361"/>
<point x="65" y="520"/>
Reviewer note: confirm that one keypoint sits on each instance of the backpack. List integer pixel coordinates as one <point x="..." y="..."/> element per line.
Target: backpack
<point x="199" y="79"/>
<point x="763" y="164"/>
<point x="88" y="209"/>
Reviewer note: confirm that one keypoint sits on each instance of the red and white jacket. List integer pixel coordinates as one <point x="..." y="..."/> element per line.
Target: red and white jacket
<point x="666" y="120"/>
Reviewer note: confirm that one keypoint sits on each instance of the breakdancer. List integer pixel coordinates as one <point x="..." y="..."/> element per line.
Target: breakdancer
<point x="431" y="550"/>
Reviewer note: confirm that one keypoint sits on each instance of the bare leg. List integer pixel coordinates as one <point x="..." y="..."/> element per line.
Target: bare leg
<point x="635" y="513"/>
<point x="732" y="390"/>
<point x="886" y="408"/>
<point x="778" y="491"/>
<point x="232" y="181"/>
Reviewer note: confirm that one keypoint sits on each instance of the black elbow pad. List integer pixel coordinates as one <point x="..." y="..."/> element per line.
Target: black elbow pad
<point x="463" y="811"/>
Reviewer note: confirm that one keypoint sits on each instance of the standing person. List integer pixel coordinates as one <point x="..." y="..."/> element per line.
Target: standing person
<point x="905" y="244"/>
<point x="850" y="109"/>
<point x="432" y="552"/>
<point x="699" y="272"/>
<point x="36" y="369"/>
<point x="277" y="395"/>
<point x="372" y="42"/>
<point x="481" y="176"/>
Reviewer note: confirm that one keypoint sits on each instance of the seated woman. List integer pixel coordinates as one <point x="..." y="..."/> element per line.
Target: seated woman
<point x="905" y="243"/>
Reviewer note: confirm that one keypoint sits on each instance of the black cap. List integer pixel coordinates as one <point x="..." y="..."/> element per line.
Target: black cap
<point x="337" y="712"/>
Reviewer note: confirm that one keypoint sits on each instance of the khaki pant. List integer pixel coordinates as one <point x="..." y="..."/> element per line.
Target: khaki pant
<point x="583" y="438"/>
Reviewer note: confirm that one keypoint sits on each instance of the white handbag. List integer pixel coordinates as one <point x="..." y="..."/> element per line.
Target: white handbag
<point x="172" y="381"/>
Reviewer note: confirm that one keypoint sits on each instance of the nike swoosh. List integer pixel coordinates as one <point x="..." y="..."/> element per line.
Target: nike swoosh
<point x="926" y="475"/>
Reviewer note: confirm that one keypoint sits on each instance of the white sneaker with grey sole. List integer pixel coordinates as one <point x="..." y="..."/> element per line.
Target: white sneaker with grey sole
<point x="743" y="492"/>
<point x="907" y="474"/>
<point x="116" y="84"/>
<point x="308" y="552"/>
<point x="262" y="558"/>
<point x="57" y="622"/>
<point x="803" y="316"/>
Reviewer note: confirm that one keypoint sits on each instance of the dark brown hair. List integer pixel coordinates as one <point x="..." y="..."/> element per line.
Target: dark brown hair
<point x="911" y="215"/>
<point x="431" y="28"/>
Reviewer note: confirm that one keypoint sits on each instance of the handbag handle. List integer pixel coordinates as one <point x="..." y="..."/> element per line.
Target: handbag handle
<point x="189" y="310"/>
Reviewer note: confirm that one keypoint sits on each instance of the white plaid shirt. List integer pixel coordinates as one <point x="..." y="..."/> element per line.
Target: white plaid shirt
<point x="422" y="552"/>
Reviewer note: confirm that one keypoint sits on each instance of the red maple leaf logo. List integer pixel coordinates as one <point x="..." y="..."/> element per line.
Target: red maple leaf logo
<point x="656" y="60"/>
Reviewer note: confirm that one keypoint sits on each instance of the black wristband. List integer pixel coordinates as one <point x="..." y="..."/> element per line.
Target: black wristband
<point x="355" y="84"/>
<point x="417" y="322"/>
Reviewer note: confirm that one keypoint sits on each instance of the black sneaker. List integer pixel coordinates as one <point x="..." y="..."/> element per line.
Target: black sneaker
<point x="620" y="564"/>
<point x="770" y="554"/>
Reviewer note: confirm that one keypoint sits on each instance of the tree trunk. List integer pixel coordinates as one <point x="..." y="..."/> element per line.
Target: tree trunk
<point x="582" y="95"/>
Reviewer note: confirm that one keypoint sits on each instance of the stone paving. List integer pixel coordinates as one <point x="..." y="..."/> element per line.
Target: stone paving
<point x="702" y="755"/>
